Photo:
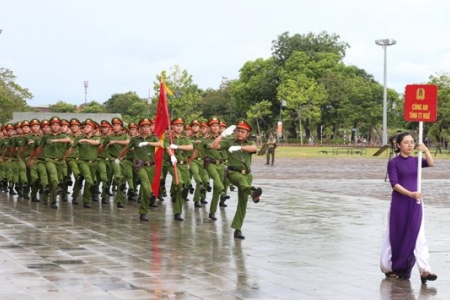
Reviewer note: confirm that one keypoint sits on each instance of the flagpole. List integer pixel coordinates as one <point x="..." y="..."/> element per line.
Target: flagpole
<point x="419" y="165"/>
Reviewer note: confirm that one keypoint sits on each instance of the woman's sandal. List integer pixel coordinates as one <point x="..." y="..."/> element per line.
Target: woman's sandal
<point x="391" y="275"/>
<point x="430" y="277"/>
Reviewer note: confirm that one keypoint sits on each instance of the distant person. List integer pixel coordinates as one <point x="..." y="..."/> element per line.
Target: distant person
<point x="272" y="144"/>
<point x="404" y="243"/>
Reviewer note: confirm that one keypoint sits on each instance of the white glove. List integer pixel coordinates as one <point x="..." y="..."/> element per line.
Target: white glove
<point x="228" y="131"/>
<point x="142" y="144"/>
<point x="234" y="149"/>
<point x="173" y="159"/>
<point x="117" y="161"/>
<point x="173" y="146"/>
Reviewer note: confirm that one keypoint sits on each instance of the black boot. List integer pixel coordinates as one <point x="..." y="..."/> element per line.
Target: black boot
<point x="26" y="191"/>
<point x="153" y="201"/>
<point x="94" y="193"/>
<point x="178" y="217"/>
<point x="238" y="234"/>
<point x="11" y="190"/>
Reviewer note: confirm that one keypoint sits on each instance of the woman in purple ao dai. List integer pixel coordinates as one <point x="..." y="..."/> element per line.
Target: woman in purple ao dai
<point x="404" y="244"/>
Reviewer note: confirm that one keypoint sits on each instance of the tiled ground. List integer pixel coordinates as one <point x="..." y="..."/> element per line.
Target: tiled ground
<point x="316" y="234"/>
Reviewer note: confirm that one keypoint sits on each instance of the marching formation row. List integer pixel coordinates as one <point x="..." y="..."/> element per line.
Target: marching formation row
<point x="39" y="159"/>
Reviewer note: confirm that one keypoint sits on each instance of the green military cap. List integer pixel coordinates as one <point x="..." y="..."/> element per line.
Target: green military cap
<point x="17" y="124"/>
<point x="213" y="120"/>
<point x="25" y="123"/>
<point x="195" y="122"/>
<point x="65" y="122"/>
<point x="34" y="122"/>
<point x="116" y="121"/>
<point x="90" y="122"/>
<point x="132" y="125"/>
<point x="104" y="123"/>
<point x="144" y="121"/>
<point x="204" y="124"/>
<point x="45" y="122"/>
<point x="177" y="121"/>
<point x="74" y="121"/>
<point x="54" y="120"/>
<point x="9" y="126"/>
<point x="222" y="124"/>
<point x="243" y="124"/>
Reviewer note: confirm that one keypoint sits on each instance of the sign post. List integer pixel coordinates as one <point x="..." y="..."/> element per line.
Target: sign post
<point x="420" y="106"/>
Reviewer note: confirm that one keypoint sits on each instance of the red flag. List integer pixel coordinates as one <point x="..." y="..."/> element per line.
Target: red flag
<point x="162" y="122"/>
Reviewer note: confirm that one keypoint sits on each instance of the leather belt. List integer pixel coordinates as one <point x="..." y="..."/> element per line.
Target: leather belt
<point x="242" y="171"/>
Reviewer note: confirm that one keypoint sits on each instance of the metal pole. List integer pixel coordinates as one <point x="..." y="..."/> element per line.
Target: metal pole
<point x="385" y="98"/>
<point x="384" y="43"/>
<point x="86" y="84"/>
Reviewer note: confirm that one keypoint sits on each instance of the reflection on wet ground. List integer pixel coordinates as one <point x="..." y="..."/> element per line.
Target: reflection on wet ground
<point x="316" y="234"/>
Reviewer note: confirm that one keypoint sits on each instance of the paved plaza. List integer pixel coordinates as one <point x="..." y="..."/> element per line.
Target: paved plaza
<point x="316" y="234"/>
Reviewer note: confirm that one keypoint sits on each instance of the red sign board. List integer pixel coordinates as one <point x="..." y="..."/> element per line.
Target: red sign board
<point x="420" y="103"/>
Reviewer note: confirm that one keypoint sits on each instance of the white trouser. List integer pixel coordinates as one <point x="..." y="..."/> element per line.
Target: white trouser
<point x="420" y="251"/>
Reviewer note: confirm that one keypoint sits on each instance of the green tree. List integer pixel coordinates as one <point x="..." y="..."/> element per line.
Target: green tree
<point x="93" y="107"/>
<point x="186" y="95"/>
<point x="440" y="128"/>
<point x="63" y="107"/>
<point x="13" y="97"/>
<point x="259" y="113"/>
<point x="126" y="104"/>
<point x="311" y="44"/>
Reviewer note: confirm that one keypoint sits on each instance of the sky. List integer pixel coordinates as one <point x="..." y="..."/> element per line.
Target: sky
<point x="53" y="46"/>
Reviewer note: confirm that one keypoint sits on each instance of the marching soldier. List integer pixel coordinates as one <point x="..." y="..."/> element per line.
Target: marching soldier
<point x="31" y="144"/>
<point x="195" y="161"/>
<point x="178" y="168"/>
<point x="239" y="170"/>
<point x="213" y="163"/>
<point x="144" y="164"/>
<point x="104" y="161"/>
<point x="72" y="159"/>
<point x="53" y="146"/>
<point x="87" y="145"/>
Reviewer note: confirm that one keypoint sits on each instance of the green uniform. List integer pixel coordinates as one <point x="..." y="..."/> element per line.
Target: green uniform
<point x="239" y="174"/>
<point x="214" y="164"/>
<point x="87" y="165"/>
<point x="114" y="151"/>
<point x="198" y="172"/>
<point x="181" y="189"/>
<point x="29" y="146"/>
<point x="55" y="166"/>
<point x="144" y="165"/>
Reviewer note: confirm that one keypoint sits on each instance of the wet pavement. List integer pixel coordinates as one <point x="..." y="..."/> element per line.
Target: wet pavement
<point x="316" y="234"/>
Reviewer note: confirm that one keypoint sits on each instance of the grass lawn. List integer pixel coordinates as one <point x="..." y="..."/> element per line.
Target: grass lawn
<point x="344" y="152"/>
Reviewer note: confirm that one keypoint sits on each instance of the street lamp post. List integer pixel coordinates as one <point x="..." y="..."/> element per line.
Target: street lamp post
<point x="280" y="123"/>
<point x="86" y="84"/>
<point x="385" y="43"/>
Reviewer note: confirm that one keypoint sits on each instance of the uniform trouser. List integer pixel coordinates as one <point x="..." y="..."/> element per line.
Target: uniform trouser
<point x="88" y="169"/>
<point x="42" y="172"/>
<point x="55" y="171"/>
<point x="244" y="184"/>
<point x="2" y="170"/>
<point x="200" y="177"/>
<point x="162" y="188"/>
<point x="23" y="178"/>
<point x="33" y="179"/>
<point x="127" y="171"/>
<point x="15" y="168"/>
<point x="216" y="173"/>
<point x="183" y="177"/>
<point x="145" y="176"/>
<point x="118" y="170"/>
<point x="270" y="153"/>
<point x="72" y="165"/>
<point x="8" y="171"/>
<point x="104" y="173"/>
